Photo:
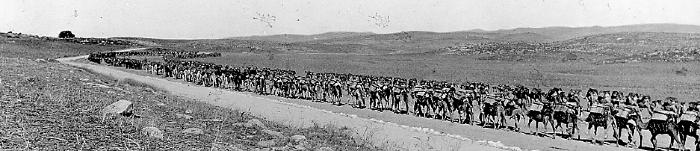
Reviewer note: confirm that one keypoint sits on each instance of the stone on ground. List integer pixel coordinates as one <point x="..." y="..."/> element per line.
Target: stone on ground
<point x="253" y="123"/>
<point x="195" y="131"/>
<point x="119" y="107"/>
<point x="220" y="147"/>
<point x="298" y="138"/>
<point x="267" y="143"/>
<point x="152" y="132"/>
<point x="324" y="149"/>
<point x="273" y="133"/>
<point x="178" y="115"/>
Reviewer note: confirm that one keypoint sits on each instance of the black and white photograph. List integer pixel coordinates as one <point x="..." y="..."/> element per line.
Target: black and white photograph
<point x="349" y="75"/>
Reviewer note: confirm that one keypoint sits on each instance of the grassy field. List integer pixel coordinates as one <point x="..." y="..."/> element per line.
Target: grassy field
<point x="35" y="48"/>
<point x="658" y="79"/>
<point x="51" y="106"/>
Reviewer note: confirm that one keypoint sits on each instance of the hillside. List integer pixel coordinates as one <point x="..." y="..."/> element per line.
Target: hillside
<point x="410" y="41"/>
<point x="301" y="38"/>
<point x="421" y="41"/>
<point x="565" y="33"/>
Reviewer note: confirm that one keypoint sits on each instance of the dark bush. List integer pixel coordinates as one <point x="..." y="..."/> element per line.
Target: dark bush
<point x="66" y="34"/>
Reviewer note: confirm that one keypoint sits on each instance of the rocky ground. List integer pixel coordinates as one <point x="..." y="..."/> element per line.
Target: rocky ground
<point x="50" y="106"/>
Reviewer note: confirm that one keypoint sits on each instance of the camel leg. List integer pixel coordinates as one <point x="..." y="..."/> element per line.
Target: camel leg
<point x="676" y="139"/>
<point x="459" y="117"/>
<point x="630" y="133"/>
<point x="670" y="146"/>
<point x="554" y="131"/>
<point x="537" y="128"/>
<point x="697" y="142"/>
<point x="565" y="130"/>
<point x="683" y="139"/>
<point x="617" y="135"/>
<point x="641" y="138"/>
<point x="653" y="140"/>
<point x="515" y="123"/>
<point x="528" y="125"/>
<point x="595" y="133"/>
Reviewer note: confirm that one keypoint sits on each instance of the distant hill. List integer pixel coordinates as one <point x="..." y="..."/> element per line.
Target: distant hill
<point x="517" y="34"/>
<point x="629" y="43"/>
<point x="301" y="38"/>
<point x="410" y="41"/>
<point x="564" y="33"/>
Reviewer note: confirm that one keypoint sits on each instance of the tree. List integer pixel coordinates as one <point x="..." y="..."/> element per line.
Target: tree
<point x="66" y="34"/>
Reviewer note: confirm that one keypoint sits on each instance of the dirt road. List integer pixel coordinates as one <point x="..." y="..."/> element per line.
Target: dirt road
<point x="389" y="130"/>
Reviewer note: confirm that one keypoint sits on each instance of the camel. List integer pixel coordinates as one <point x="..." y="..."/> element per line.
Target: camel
<point x="566" y="114"/>
<point x="599" y="117"/>
<point x="494" y="112"/>
<point x="421" y="97"/>
<point x="540" y="113"/>
<point x="662" y="122"/>
<point x="688" y="126"/>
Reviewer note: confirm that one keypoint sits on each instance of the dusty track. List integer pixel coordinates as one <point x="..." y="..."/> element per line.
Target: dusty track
<point x="393" y="131"/>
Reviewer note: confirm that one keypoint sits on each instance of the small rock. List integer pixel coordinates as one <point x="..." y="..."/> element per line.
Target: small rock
<point x="299" y="147"/>
<point x="273" y="133"/>
<point x="195" y="131"/>
<point x="188" y="111"/>
<point x="298" y="138"/>
<point x="178" y="115"/>
<point x="213" y="120"/>
<point x="219" y="147"/>
<point x="262" y="149"/>
<point x="244" y="124"/>
<point x="281" y="148"/>
<point x="119" y="107"/>
<point x="267" y="143"/>
<point x="303" y="144"/>
<point x="152" y="132"/>
<point x="254" y="122"/>
<point x="324" y="149"/>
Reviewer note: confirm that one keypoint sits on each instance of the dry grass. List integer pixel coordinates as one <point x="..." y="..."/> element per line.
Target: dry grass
<point x="48" y="106"/>
<point x="35" y="48"/>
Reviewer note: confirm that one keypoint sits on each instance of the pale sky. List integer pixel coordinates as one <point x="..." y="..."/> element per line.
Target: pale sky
<point x="229" y="18"/>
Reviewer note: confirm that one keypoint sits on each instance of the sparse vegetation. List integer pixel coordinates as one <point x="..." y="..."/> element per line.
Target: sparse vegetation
<point x="37" y="48"/>
<point x="683" y="71"/>
<point x="49" y="106"/>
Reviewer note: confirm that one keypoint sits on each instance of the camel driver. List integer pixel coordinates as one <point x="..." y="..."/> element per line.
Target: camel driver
<point x="644" y="102"/>
<point x="606" y="100"/>
<point x="656" y="105"/>
<point x="677" y="107"/>
<point x="512" y="100"/>
<point x="616" y="98"/>
<point x="669" y="106"/>
<point x="592" y="97"/>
